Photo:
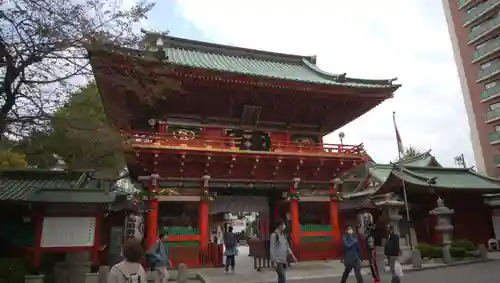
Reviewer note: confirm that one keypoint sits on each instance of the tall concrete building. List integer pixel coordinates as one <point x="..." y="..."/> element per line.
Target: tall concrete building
<point x="474" y="27"/>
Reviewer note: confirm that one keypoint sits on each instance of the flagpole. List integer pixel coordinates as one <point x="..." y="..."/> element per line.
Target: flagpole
<point x="407" y="209"/>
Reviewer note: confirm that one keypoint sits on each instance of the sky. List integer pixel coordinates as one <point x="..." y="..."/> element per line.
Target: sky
<point x="380" y="39"/>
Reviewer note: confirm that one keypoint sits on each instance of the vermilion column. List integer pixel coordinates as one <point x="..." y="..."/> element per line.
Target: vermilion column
<point x="294" y="213"/>
<point x="334" y="209"/>
<point x="203" y="222"/>
<point x="152" y="216"/>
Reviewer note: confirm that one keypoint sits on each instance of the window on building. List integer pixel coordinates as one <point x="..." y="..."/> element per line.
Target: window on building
<point x="497" y="128"/>
<point x="476" y="27"/>
<point x="495" y="106"/>
<point x="471" y="9"/>
<point x="480" y="46"/>
<point x="490" y="85"/>
<point x="486" y="65"/>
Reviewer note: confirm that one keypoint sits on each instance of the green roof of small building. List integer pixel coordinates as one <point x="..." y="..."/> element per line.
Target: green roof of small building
<point x="423" y="170"/>
<point x="251" y="62"/>
<point x="445" y="178"/>
<point x="35" y="185"/>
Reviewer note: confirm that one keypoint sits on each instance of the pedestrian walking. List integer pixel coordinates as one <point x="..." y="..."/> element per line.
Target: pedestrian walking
<point x="372" y="256"/>
<point x="230" y="243"/>
<point x="351" y="255"/>
<point x="280" y="251"/>
<point x="392" y="251"/>
<point x="130" y="269"/>
<point x="158" y="259"/>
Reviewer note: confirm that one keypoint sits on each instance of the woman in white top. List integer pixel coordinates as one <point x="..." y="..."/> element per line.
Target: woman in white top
<point x="130" y="269"/>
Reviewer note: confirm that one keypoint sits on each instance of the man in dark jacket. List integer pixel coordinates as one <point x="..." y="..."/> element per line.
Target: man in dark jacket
<point x="392" y="251"/>
<point x="351" y="252"/>
<point x="230" y="243"/>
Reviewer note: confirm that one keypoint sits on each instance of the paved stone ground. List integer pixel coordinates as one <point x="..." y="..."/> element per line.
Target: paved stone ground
<point x="329" y="271"/>
<point x="488" y="272"/>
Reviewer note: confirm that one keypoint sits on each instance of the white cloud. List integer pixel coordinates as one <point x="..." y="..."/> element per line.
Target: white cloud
<point x="368" y="39"/>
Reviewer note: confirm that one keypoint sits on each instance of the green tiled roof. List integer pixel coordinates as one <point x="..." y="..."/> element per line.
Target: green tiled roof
<point x="224" y="58"/>
<point x="448" y="178"/>
<point x="422" y="170"/>
<point x="33" y="185"/>
<point x="425" y="159"/>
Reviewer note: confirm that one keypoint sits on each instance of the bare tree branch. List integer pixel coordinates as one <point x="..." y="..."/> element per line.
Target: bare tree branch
<point x="43" y="56"/>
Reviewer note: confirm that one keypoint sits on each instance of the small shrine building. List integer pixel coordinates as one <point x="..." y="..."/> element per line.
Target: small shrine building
<point x="473" y="198"/>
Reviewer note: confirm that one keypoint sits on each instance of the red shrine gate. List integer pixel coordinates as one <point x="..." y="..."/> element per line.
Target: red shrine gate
<point x="202" y="121"/>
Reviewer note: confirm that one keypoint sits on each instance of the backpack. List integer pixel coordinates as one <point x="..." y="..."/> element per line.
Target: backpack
<point x="129" y="277"/>
<point x="231" y="240"/>
<point x="277" y="237"/>
<point x="153" y="259"/>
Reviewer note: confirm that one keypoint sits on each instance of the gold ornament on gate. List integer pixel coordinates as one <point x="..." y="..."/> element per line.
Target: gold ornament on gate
<point x="184" y="134"/>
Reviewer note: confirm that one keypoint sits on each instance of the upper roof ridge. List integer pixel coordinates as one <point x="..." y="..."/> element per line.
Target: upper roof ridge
<point x="228" y="50"/>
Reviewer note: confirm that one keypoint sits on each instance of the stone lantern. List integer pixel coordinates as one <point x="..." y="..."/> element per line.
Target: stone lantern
<point x="443" y="217"/>
<point x="444" y="227"/>
<point x="391" y="206"/>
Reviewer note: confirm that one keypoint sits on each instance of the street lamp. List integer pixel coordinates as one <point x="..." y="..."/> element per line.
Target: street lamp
<point x="341" y="137"/>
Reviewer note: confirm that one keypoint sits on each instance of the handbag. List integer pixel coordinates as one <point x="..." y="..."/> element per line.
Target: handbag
<point x="398" y="269"/>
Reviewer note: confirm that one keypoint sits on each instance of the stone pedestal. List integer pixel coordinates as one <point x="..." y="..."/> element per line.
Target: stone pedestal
<point x="78" y="264"/>
<point x="61" y="273"/>
<point x="416" y="258"/>
<point x="103" y="274"/>
<point x="34" y="278"/>
<point x="92" y="278"/>
<point x="445" y="253"/>
<point x="182" y="273"/>
<point x="483" y="252"/>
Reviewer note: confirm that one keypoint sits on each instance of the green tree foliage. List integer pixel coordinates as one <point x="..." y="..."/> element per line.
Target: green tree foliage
<point x="12" y="160"/>
<point x="43" y="53"/>
<point x="79" y="135"/>
<point x="409" y="153"/>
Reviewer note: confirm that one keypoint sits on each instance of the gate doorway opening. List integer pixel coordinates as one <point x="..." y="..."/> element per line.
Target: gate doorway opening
<point x="249" y="216"/>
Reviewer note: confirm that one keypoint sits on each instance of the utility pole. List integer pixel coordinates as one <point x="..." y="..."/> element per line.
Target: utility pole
<point x="460" y="161"/>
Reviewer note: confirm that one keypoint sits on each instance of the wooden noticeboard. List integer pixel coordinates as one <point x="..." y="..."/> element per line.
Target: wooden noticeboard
<point x="68" y="232"/>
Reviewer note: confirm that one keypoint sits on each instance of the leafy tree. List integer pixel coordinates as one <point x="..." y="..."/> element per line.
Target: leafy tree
<point x="10" y="159"/>
<point x="80" y="136"/>
<point x="409" y="153"/>
<point x="43" y="53"/>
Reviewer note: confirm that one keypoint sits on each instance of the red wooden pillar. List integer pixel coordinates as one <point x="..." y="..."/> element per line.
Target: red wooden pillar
<point x="294" y="213"/>
<point x="97" y="239"/>
<point x="152" y="216"/>
<point x="203" y="222"/>
<point x="334" y="209"/>
<point x="37" y="252"/>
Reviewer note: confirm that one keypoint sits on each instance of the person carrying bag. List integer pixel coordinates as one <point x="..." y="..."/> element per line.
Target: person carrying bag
<point x="158" y="259"/>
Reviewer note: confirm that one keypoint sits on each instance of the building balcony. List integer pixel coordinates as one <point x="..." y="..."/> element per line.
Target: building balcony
<point x="480" y="11"/>
<point x="231" y="145"/>
<point x="483" y="30"/>
<point x="492" y="116"/>
<point x="494" y="138"/>
<point x="497" y="160"/>
<point x="465" y="3"/>
<point x="489" y="72"/>
<point x="225" y="158"/>
<point x="489" y="49"/>
<point x="490" y="93"/>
